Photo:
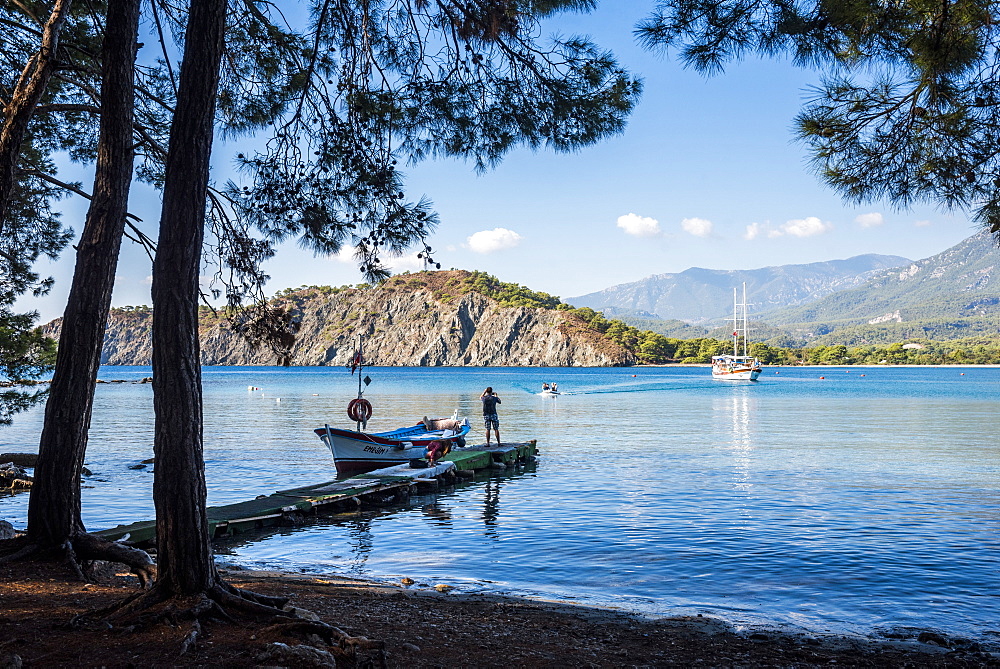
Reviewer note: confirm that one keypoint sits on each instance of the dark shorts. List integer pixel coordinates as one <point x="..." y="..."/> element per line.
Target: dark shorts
<point x="491" y="420"/>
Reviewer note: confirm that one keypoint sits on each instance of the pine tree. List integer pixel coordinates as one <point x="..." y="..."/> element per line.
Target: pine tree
<point x="908" y="110"/>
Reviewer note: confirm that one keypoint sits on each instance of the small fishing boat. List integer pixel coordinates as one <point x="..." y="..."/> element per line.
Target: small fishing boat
<point x="356" y="452"/>
<point x="738" y="366"/>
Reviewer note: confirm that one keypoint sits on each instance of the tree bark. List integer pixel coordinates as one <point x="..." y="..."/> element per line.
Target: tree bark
<point x="184" y="553"/>
<point x="54" y="506"/>
<point x="27" y="94"/>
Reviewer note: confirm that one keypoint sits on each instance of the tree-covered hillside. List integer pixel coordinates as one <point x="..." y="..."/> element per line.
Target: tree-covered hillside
<point x="774" y="346"/>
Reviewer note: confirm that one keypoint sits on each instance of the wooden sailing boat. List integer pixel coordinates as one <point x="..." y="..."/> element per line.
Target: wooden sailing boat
<point x="740" y="366"/>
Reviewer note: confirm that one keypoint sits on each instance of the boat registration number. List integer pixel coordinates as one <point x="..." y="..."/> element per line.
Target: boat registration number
<point x="377" y="450"/>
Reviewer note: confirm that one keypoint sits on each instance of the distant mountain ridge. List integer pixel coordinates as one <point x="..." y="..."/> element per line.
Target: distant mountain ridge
<point x="953" y="294"/>
<point x="699" y="295"/>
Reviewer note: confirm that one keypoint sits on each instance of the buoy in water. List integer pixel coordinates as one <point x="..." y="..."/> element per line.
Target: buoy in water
<point x="822" y="377"/>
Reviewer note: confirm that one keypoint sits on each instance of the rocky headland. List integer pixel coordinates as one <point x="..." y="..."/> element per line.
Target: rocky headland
<point x="446" y="318"/>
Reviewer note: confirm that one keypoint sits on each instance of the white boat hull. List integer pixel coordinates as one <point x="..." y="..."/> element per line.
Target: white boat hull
<point x="360" y="455"/>
<point x="735" y="368"/>
<point x="745" y="375"/>
<point x="358" y="452"/>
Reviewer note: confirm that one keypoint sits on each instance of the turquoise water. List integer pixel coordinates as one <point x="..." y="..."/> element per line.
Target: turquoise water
<point x="866" y="501"/>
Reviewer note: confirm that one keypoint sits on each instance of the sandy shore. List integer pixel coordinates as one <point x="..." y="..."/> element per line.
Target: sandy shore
<point x="414" y="627"/>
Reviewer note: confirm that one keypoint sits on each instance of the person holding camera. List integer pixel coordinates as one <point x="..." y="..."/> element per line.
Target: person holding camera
<point x="490" y="401"/>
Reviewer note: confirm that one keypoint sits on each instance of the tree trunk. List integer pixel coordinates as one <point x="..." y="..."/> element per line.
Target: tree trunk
<point x="54" y="507"/>
<point x="28" y="92"/>
<point x="184" y="556"/>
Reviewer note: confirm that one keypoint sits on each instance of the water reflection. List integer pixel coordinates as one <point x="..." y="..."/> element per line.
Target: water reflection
<point x="358" y="530"/>
<point x="741" y="436"/>
<point x="491" y="508"/>
<point x="361" y="541"/>
<point x="437" y="513"/>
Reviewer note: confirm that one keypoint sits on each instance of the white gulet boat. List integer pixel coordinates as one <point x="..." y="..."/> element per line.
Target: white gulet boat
<point x="738" y="366"/>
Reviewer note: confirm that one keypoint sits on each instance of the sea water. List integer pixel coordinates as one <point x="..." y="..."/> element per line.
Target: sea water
<point x="848" y="500"/>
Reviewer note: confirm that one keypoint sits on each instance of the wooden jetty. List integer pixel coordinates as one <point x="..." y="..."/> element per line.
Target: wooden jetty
<point x="376" y="488"/>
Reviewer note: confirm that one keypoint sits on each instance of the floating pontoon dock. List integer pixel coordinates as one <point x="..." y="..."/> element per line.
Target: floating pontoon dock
<point x="376" y="488"/>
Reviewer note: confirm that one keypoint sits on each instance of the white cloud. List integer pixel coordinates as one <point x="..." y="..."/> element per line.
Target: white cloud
<point x="799" y="227"/>
<point x="497" y="239"/>
<point x="922" y="224"/>
<point x="806" y="227"/>
<point x="699" y="227"/>
<point x="345" y="255"/>
<point x="639" y="226"/>
<point x="409" y="262"/>
<point x="870" y="220"/>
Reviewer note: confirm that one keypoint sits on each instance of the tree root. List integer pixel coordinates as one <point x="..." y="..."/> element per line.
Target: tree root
<point x="333" y="636"/>
<point x="90" y="547"/>
<point x="249" y="603"/>
<point x="213" y="604"/>
<point x="81" y="550"/>
<point x="266" y="600"/>
<point x="192" y="638"/>
<point x="17" y="548"/>
<point x="72" y="562"/>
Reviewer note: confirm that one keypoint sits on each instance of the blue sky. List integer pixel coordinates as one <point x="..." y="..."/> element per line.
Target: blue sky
<point x="705" y="175"/>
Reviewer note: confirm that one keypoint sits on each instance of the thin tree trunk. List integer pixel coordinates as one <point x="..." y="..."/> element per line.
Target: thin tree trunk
<point x="27" y="94"/>
<point x="184" y="552"/>
<point x="54" y="506"/>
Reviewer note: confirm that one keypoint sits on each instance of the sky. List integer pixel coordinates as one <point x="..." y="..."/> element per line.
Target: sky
<point x="707" y="174"/>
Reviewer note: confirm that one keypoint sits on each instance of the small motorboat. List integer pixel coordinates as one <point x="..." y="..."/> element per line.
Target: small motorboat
<point x="549" y="391"/>
<point x="356" y="452"/>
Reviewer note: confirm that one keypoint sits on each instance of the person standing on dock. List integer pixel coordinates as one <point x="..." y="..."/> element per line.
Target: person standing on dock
<point x="490" y="401"/>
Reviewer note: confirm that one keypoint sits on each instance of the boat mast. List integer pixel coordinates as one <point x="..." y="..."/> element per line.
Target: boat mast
<point x="744" y="318"/>
<point x="736" y="324"/>
<point x="361" y="367"/>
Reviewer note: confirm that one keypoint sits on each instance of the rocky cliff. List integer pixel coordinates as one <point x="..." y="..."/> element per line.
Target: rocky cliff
<point x="424" y="319"/>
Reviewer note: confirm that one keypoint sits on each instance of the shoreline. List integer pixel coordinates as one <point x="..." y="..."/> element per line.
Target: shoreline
<point x="418" y="627"/>
<point x="931" y="641"/>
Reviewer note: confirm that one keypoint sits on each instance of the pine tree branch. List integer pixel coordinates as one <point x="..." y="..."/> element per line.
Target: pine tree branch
<point x="27" y="11"/>
<point x="140" y="237"/>
<point x="20" y="26"/>
<point x="66" y="107"/>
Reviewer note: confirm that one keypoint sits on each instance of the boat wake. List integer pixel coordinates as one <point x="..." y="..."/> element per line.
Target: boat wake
<point x="624" y="388"/>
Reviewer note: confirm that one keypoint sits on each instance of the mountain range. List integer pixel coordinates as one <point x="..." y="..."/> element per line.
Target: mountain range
<point x="704" y="296"/>
<point x="954" y="294"/>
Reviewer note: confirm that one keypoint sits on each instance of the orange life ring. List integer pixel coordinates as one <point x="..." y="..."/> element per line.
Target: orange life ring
<point x="359" y="410"/>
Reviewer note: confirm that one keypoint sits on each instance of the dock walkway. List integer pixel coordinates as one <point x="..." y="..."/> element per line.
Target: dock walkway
<point x="376" y="488"/>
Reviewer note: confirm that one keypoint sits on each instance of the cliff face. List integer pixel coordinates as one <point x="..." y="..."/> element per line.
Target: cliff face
<point x="409" y="321"/>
